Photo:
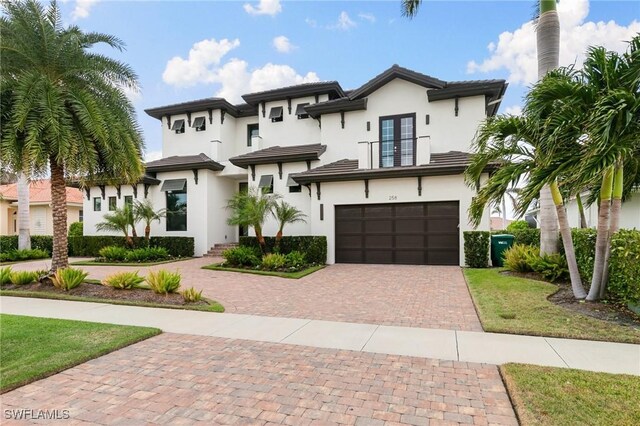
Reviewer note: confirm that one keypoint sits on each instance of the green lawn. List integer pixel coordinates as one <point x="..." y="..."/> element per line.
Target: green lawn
<point x="558" y="396"/>
<point x="34" y="348"/>
<point x="508" y="304"/>
<point x="294" y="275"/>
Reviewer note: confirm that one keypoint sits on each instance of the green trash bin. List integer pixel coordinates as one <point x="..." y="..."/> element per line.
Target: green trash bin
<point x="499" y="244"/>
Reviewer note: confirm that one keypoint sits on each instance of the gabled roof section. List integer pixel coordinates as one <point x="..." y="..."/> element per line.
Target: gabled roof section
<point x="280" y="154"/>
<point x="336" y="105"/>
<point x="396" y="71"/>
<point x="332" y="88"/>
<point x="448" y="163"/>
<point x="39" y="192"/>
<point x="183" y="162"/>
<point x="492" y="89"/>
<point x="199" y="105"/>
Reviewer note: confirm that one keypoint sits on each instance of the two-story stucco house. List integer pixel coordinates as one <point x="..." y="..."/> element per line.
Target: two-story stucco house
<point x="377" y="170"/>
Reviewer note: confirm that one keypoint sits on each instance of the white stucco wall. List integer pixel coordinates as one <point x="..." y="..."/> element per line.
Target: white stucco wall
<point x="291" y="130"/>
<point x="405" y="190"/>
<point x="629" y="214"/>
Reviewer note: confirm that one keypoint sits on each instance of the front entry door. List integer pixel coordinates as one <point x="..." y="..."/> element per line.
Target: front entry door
<point x="398" y="140"/>
<point x="242" y="230"/>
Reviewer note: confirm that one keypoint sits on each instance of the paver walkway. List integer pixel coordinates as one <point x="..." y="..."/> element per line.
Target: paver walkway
<point x="177" y="379"/>
<point x="402" y="295"/>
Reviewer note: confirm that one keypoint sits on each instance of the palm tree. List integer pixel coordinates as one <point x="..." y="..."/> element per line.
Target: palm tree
<point x="285" y="213"/>
<point x="143" y="211"/>
<point x="69" y="113"/>
<point x="118" y="221"/>
<point x="24" y="218"/>
<point x="548" y="44"/>
<point x="251" y="209"/>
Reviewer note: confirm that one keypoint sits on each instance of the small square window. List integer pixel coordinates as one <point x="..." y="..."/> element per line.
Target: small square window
<point x="113" y="204"/>
<point x="266" y="184"/>
<point x="276" y="114"/>
<point x="128" y="200"/>
<point x="253" y="130"/>
<point x="300" y="111"/>
<point x="200" y="124"/>
<point x="81" y="216"/>
<point x="97" y="204"/>
<point x="293" y="185"/>
<point x="178" y="126"/>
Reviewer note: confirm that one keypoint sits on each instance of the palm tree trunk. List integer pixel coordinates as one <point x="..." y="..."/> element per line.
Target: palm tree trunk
<point x="602" y="236"/>
<point x="59" y="257"/>
<point x="614" y="222"/>
<point x="260" y="238"/>
<point x="276" y="247"/>
<point x="147" y="232"/>
<point x="567" y="241"/>
<point x="504" y="212"/>
<point x="548" y="43"/>
<point x="583" y="218"/>
<point x="24" y="218"/>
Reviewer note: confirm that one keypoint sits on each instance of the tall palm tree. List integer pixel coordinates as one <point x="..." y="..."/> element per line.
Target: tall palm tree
<point x="24" y="218"/>
<point x="117" y="221"/>
<point x="548" y="44"/>
<point x="144" y="211"/>
<point x="251" y="209"/>
<point x="285" y="213"/>
<point x="69" y="113"/>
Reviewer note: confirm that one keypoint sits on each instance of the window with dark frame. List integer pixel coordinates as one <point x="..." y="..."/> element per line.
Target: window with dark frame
<point x="397" y="140"/>
<point x="266" y="184"/>
<point x="176" y="212"/>
<point x="81" y="216"/>
<point x="128" y="200"/>
<point x="253" y="130"/>
<point x="200" y="124"/>
<point x="293" y="185"/>
<point x="97" y="204"/>
<point x="113" y="204"/>
<point x="276" y="114"/>
<point x="300" y="111"/>
<point x="178" y="126"/>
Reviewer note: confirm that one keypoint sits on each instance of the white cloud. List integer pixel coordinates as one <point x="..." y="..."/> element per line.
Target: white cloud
<point x="283" y="44"/>
<point x="367" y="17"/>
<point x="204" y="66"/>
<point x="152" y="156"/>
<point x="516" y="51"/>
<point x="311" y="22"/>
<point x="343" y="23"/>
<point x="265" y="7"/>
<point x="82" y="9"/>
<point x="513" y="110"/>
<point x="199" y="67"/>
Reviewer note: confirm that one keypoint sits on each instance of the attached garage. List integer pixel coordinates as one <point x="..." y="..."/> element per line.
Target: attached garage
<point x="400" y="233"/>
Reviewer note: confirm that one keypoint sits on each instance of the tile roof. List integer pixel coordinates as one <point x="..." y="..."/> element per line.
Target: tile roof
<point x="39" y="192"/>
<point x="183" y="162"/>
<point x="280" y="154"/>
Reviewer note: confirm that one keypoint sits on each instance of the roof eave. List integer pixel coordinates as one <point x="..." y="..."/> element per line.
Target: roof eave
<point x="191" y="107"/>
<point x="293" y="92"/>
<point x="317" y="110"/>
<point x="216" y="167"/>
<point x="293" y="158"/>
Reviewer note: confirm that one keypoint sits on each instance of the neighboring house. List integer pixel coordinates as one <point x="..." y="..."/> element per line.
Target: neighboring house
<point x="499" y="223"/>
<point x="39" y="208"/>
<point x="629" y="213"/>
<point x="377" y="170"/>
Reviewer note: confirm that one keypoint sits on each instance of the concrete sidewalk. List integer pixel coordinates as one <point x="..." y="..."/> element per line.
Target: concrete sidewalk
<point x="452" y="345"/>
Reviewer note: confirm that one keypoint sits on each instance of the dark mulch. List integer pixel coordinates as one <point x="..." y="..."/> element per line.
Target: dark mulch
<point x="605" y="310"/>
<point x="98" y="291"/>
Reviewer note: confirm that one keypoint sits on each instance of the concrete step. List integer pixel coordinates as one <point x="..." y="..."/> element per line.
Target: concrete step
<point x="217" y="249"/>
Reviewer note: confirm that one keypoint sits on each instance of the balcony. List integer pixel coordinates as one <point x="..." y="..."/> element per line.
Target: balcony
<point x="394" y="153"/>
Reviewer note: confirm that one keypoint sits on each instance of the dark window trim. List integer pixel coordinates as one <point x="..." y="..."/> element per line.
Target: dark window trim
<point x="203" y="123"/>
<point x="250" y="127"/>
<point x="300" y="111"/>
<point x="115" y="203"/>
<point x="99" y="204"/>
<point x="178" y="126"/>
<point x="186" y="223"/>
<point x="276" y="114"/>
<point x="261" y="186"/>
<point x="397" y="143"/>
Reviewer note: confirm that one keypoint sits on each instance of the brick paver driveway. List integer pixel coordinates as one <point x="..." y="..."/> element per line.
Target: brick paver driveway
<point x="178" y="379"/>
<point x="404" y="295"/>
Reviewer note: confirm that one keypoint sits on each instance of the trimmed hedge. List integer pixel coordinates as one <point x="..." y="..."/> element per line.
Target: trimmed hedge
<point x="529" y="237"/>
<point x="584" y="244"/>
<point x="40" y="242"/>
<point x="624" y="266"/>
<point x="476" y="248"/>
<point x="314" y="247"/>
<point x="90" y="245"/>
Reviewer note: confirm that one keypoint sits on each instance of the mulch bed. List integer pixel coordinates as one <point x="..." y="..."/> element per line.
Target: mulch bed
<point x="98" y="291"/>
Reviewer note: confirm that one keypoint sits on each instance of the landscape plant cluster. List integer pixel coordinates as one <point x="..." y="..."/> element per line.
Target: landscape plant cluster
<point x="19" y="255"/>
<point x="251" y="257"/>
<point x="116" y="254"/>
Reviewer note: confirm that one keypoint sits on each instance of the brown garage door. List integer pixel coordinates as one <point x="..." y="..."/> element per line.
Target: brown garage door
<point x="404" y="233"/>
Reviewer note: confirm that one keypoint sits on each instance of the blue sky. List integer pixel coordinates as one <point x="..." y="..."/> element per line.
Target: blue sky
<point x="186" y="50"/>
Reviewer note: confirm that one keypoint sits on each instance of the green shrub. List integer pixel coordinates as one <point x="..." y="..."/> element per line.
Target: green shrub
<point x="40" y="242"/>
<point x="68" y="278"/>
<point x="147" y="254"/>
<point x="584" y="244"/>
<point x="75" y="230"/>
<point x="21" y="277"/>
<point x="123" y="280"/>
<point x="273" y="261"/>
<point x="518" y="225"/>
<point x="163" y="282"/>
<point x="5" y="275"/>
<point x="624" y="266"/>
<point x="113" y="253"/>
<point x="314" y="247"/>
<point x="16" y="255"/>
<point x="295" y="260"/>
<point x="529" y="237"/>
<point x="476" y="249"/>
<point x="90" y="245"/>
<point x="175" y="246"/>
<point x="553" y="267"/>
<point x="518" y="257"/>
<point x="40" y="274"/>
<point x="242" y="256"/>
<point x="192" y="295"/>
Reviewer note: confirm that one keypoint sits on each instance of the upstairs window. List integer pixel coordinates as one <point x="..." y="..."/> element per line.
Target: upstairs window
<point x="266" y="184"/>
<point x="200" y="124"/>
<point x="113" y="204"/>
<point x="293" y="185"/>
<point x="178" y="126"/>
<point x="300" y="111"/>
<point x="253" y="130"/>
<point x="97" y="204"/>
<point x="128" y="200"/>
<point x="276" y="114"/>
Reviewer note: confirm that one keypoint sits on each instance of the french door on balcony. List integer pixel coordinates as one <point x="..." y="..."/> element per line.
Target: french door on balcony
<point x="398" y="140"/>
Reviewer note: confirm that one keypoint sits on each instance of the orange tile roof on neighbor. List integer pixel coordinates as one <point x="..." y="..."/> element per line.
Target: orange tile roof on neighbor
<point x="497" y="223"/>
<point x="39" y="192"/>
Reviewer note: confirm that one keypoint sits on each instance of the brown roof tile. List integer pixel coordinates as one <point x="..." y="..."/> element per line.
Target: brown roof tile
<point x="280" y="154"/>
<point x="183" y="162"/>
